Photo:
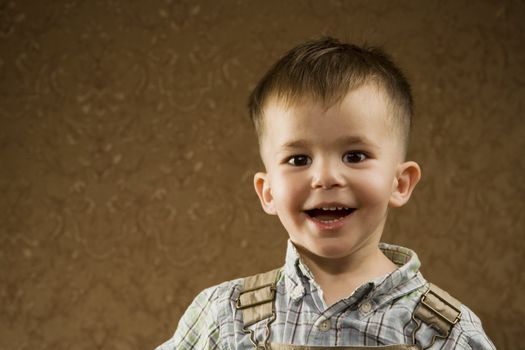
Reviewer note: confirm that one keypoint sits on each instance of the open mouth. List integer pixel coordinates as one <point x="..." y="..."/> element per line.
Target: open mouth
<point x="329" y="214"/>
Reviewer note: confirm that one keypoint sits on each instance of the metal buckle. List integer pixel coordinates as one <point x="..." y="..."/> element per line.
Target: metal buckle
<point x="452" y="322"/>
<point x="239" y="306"/>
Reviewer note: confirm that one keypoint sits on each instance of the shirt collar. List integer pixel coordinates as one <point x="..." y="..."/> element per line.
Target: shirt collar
<point x="294" y="267"/>
<point x="402" y="281"/>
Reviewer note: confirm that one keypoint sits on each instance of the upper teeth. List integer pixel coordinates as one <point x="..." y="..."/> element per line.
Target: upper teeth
<point x="334" y="208"/>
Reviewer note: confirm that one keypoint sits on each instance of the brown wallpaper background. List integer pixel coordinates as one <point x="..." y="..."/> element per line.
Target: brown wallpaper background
<point x="126" y="156"/>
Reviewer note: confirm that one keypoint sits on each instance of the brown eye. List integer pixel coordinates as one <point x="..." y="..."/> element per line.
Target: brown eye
<point x="299" y="160"/>
<point x="354" y="157"/>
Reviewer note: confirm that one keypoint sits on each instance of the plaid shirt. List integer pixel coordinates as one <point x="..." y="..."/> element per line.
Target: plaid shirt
<point x="377" y="313"/>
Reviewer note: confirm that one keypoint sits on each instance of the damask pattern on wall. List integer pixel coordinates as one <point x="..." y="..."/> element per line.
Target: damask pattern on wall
<point x="127" y="156"/>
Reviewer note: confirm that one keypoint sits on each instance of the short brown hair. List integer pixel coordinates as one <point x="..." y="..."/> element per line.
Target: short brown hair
<point x="327" y="69"/>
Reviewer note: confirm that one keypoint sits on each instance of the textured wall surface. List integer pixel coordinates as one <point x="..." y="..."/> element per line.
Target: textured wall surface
<point x="126" y="156"/>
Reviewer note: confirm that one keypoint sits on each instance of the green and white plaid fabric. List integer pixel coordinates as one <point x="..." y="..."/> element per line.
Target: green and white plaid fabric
<point x="377" y="313"/>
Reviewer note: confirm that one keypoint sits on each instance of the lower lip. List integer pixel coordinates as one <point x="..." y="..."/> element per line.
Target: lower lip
<point x="329" y="225"/>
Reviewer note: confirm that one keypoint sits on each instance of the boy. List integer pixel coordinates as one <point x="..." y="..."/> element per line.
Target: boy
<point x="333" y="123"/>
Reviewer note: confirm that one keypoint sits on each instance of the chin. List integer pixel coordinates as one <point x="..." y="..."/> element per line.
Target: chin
<point x="330" y="251"/>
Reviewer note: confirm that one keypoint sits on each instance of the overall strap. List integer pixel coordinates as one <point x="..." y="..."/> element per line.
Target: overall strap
<point x="306" y="347"/>
<point x="438" y="309"/>
<point x="256" y="299"/>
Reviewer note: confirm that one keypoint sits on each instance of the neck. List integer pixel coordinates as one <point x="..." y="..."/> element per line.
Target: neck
<point x="339" y="277"/>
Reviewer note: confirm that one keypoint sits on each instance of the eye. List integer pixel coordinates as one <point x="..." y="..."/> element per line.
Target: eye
<point x="354" y="157"/>
<point x="299" y="160"/>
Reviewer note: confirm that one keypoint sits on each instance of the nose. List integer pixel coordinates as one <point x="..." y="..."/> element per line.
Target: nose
<point x="327" y="175"/>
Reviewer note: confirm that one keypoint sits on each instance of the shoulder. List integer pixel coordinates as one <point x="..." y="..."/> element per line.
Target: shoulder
<point x="472" y="331"/>
<point x="464" y="327"/>
<point x="213" y="302"/>
<point x="200" y="325"/>
<point x="213" y="298"/>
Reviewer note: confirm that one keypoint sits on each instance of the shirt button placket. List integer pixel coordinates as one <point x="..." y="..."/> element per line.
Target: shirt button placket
<point x="365" y="307"/>
<point x="325" y="325"/>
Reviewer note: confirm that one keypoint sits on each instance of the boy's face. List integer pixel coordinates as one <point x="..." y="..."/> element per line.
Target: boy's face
<point x="332" y="173"/>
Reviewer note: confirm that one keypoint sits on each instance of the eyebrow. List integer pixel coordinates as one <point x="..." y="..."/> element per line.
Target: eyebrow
<point x="345" y="140"/>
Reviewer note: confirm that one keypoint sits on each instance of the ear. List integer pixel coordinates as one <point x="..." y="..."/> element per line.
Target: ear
<point x="407" y="177"/>
<point x="264" y="191"/>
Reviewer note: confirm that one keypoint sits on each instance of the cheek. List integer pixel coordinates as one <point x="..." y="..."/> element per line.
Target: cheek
<point x="287" y="191"/>
<point x="373" y="188"/>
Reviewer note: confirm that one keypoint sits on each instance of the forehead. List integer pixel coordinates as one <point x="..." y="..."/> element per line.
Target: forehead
<point x="361" y="120"/>
<point x="364" y="112"/>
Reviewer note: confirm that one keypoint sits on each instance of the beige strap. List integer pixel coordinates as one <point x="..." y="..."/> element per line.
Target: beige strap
<point x="256" y="301"/>
<point x="304" y="347"/>
<point x="438" y="309"/>
<point x="257" y="297"/>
